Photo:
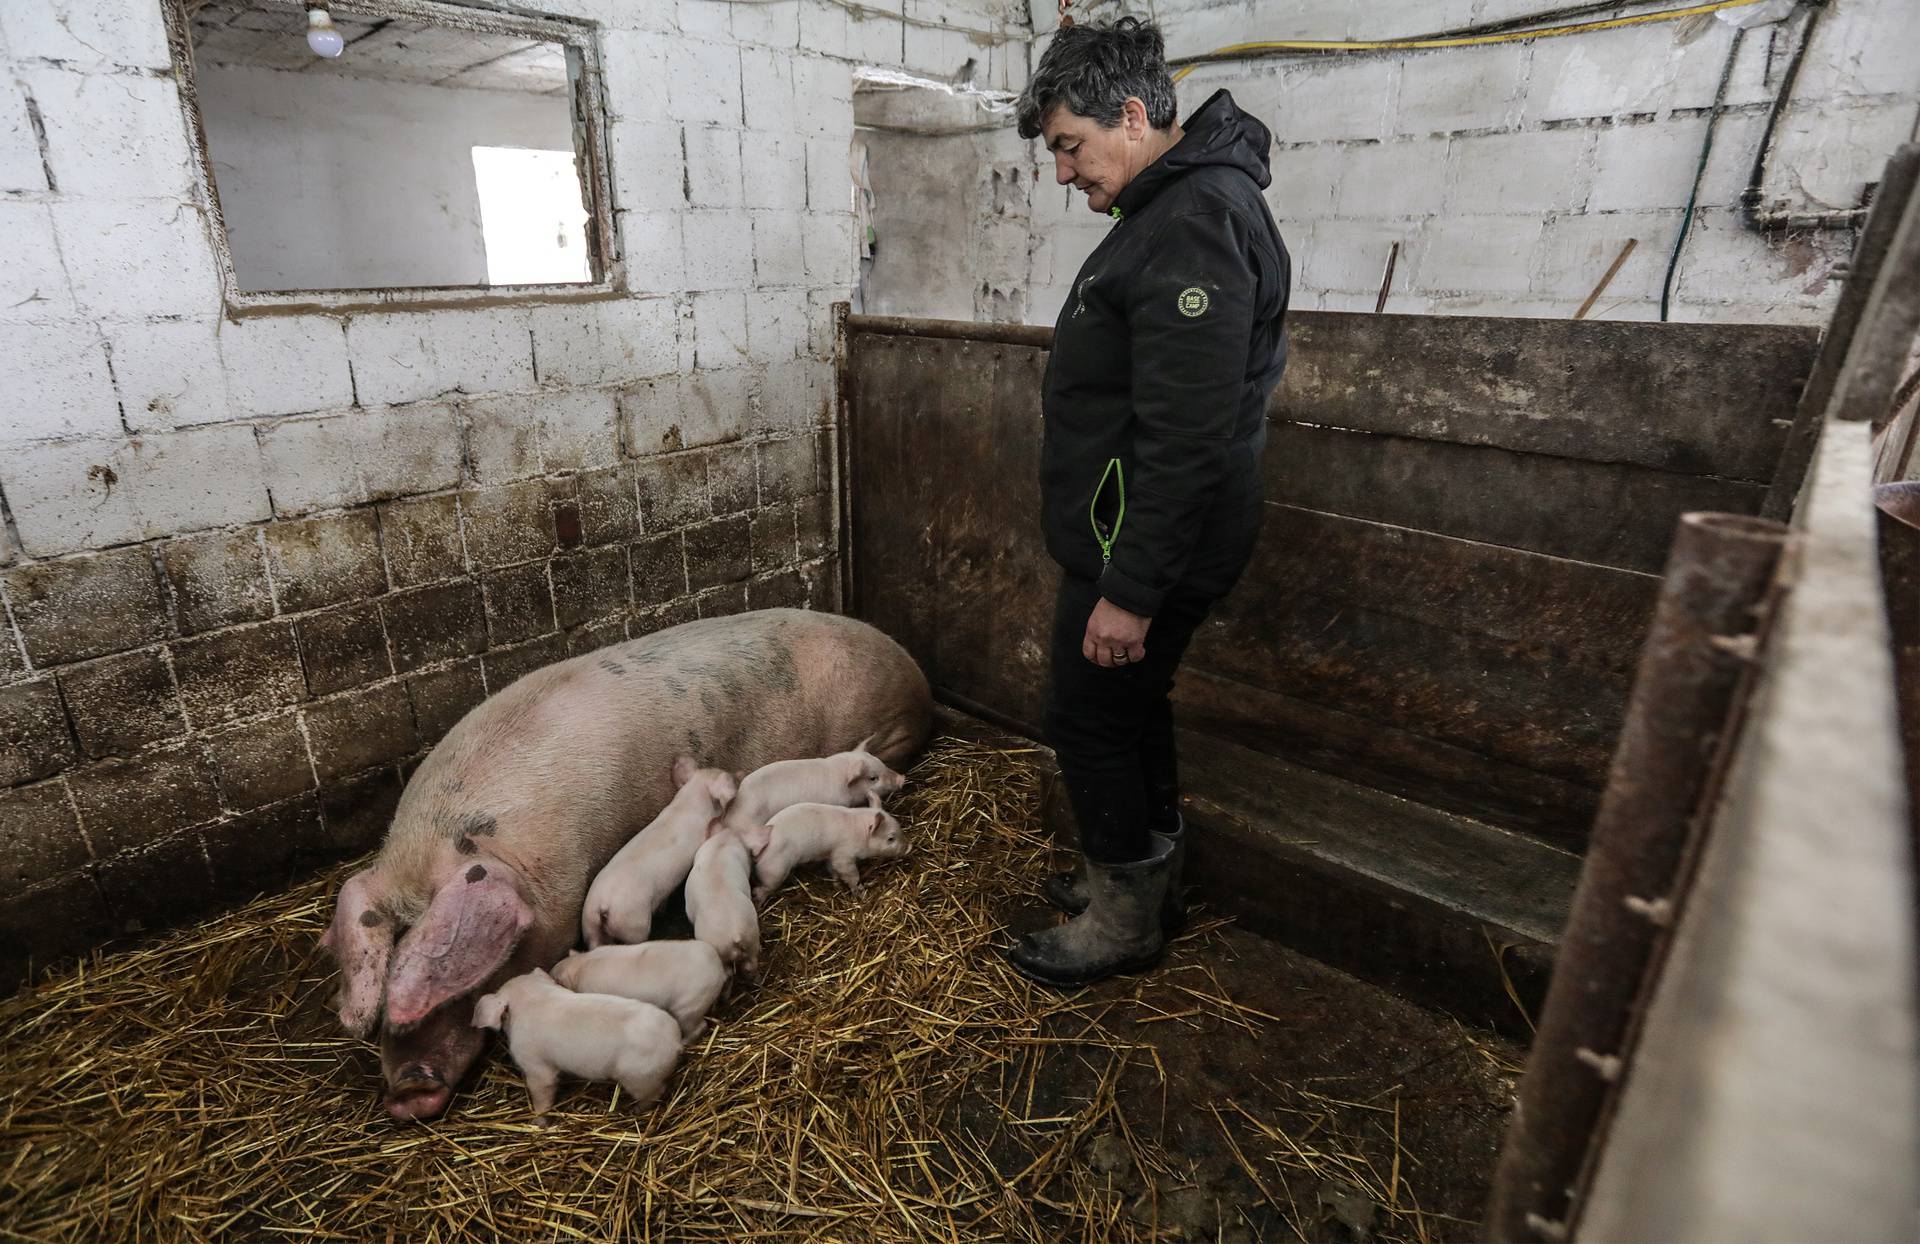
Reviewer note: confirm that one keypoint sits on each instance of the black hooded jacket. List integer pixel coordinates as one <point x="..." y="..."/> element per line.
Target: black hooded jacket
<point x="1163" y="358"/>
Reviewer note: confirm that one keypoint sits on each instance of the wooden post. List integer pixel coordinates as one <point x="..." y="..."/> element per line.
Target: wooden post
<point x="1613" y="270"/>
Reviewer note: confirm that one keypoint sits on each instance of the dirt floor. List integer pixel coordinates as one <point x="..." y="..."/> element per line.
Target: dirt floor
<point x="888" y="1079"/>
<point x="1270" y="1097"/>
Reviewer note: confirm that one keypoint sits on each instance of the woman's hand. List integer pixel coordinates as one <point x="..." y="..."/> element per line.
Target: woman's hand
<point x="1114" y="638"/>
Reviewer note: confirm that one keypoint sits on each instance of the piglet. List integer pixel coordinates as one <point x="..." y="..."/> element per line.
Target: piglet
<point x="815" y="831"/>
<point x="553" y="1031"/>
<point x="846" y="779"/>
<point x="682" y="978"/>
<point x="720" y="900"/>
<point x="623" y="897"/>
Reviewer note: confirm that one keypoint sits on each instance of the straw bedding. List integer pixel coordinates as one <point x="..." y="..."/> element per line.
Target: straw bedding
<point x="878" y="1085"/>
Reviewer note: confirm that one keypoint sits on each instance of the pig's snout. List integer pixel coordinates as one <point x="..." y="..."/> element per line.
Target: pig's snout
<point x="418" y="1092"/>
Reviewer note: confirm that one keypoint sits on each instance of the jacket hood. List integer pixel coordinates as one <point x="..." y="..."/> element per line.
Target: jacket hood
<point x="1217" y="133"/>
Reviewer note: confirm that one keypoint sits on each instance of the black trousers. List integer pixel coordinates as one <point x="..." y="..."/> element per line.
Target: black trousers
<point x="1113" y="728"/>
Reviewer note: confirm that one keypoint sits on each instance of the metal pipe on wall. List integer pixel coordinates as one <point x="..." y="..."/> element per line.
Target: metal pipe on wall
<point x="1686" y="692"/>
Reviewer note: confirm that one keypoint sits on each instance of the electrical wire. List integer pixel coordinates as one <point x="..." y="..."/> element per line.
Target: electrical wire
<point x="1699" y="174"/>
<point x="1755" y="193"/>
<point x="866" y="10"/>
<point x="1568" y="13"/>
<point x="1237" y="51"/>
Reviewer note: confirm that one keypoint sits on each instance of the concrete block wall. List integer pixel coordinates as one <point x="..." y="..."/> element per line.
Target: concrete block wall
<point x="252" y="567"/>
<point x="950" y="207"/>
<point x="1513" y="174"/>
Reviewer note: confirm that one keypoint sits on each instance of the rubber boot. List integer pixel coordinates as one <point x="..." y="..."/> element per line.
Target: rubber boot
<point x="1068" y="890"/>
<point x="1118" y="932"/>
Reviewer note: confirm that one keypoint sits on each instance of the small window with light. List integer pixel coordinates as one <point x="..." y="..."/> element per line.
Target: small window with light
<point x="395" y="152"/>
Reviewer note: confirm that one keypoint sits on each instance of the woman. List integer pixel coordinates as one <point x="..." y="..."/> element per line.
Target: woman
<point x="1155" y="405"/>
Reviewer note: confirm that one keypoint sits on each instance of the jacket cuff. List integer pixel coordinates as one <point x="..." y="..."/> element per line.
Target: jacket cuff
<point x="1132" y="596"/>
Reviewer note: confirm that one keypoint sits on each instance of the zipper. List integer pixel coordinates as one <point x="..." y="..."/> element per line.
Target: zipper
<point x="1103" y="534"/>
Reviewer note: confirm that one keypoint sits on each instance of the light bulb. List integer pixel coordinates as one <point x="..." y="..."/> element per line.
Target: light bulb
<point x="321" y="36"/>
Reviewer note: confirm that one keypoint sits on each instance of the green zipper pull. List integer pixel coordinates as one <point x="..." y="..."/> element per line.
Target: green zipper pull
<point x="1102" y="536"/>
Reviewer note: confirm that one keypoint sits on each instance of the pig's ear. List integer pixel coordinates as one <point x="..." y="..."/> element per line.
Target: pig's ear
<point x="713" y="827"/>
<point x="725" y="787"/>
<point x="684" y="767"/>
<point x="361" y="941"/>
<point x="873" y="798"/>
<point x="490" y="1011"/>
<point x="464" y="937"/>
<point x="863" y="744"/>
<point x="875" y="822"/>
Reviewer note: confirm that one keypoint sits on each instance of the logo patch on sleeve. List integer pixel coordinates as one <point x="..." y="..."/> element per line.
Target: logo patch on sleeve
<point x="1193" y="301"/>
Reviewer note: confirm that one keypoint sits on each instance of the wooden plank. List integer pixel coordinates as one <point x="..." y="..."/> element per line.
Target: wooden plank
<point x="1388" y="758"/>
<point x="1506" y="701"/>
<point x="1572" y="612"/>
<point x="1519" y="661"/>
<point x="1037" y="336"/>
<point x="1900" y="576"/>
<point x="1779" y="1037"/>
<point x="895" y="474"/>
<point x="993" y="579"/>
<point x="1401" y="894"/>
<point x="1699" y="399"/>
<point x="1505" y="880"/>
<point x="1611" y="514"/>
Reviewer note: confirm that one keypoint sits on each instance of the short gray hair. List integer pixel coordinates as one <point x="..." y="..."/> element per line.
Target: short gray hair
<point x="1093" y="69"/>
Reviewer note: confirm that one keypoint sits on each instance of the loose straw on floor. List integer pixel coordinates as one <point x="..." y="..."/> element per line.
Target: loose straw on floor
<point x="878" y="1085"/>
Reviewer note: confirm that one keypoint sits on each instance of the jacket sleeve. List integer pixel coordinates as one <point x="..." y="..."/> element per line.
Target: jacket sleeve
<point x="1190" y="316"/>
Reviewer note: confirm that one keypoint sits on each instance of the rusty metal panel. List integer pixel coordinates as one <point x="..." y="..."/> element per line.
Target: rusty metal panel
<point x="1899" y="532"/>
<point x="945" y="473"/>
<point x="1770" y="1092"/>
<point x="1491" y="696"/>
<point x="1678" y="729"/>
<point x="1037" y="335"/>
<point x="1520" y="659"/>
<point x="893" y="451"/>
<point x="1699" y="399"/>
<point x="1570" y="612"/>
<point x="1439" y="618"/>
<point x="995" y="581"/>
<point x="1613" y="514"/>
<point x="1387" y="758"/>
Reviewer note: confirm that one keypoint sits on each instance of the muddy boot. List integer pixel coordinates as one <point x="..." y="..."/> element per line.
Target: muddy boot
<point x="1118" y="932"/>
<point x="1068" y="890"/>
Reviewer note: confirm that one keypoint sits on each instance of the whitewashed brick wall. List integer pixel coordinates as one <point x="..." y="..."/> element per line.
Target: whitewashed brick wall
<point x="136" y="409"/>
<point x="1512" y="174"/>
